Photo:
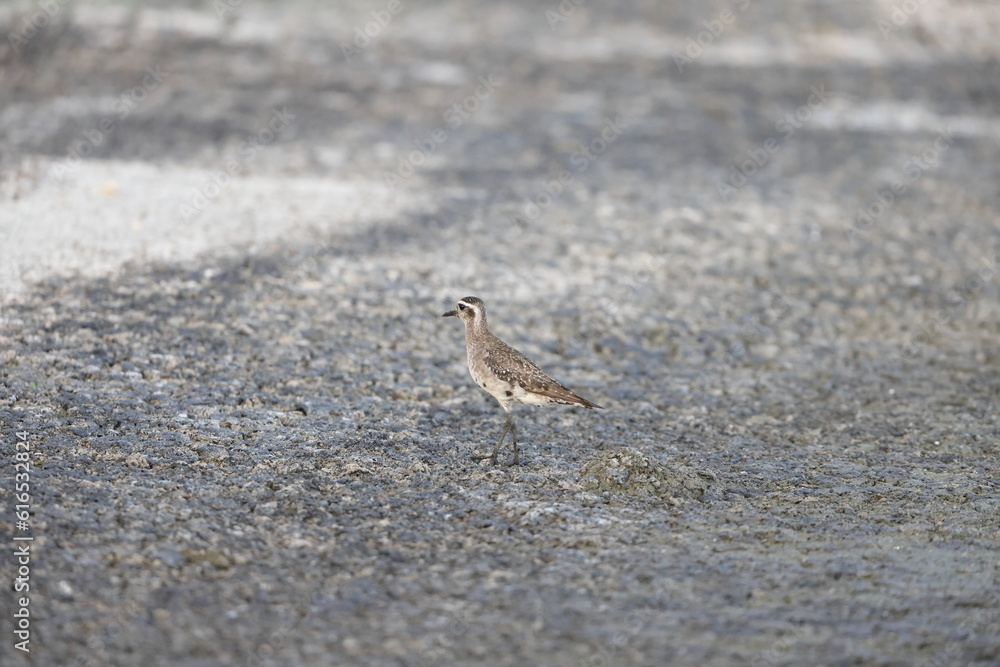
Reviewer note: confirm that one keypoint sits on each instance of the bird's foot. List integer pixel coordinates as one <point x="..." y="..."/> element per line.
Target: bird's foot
<point x="482" y="457"/>
<point x="494" y="458"/>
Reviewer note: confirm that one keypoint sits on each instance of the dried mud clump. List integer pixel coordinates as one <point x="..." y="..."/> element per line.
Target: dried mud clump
<point x="633" y="473"/>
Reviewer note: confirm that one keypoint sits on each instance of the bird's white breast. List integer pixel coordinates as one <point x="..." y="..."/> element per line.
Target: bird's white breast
<point x="505" y="392"/>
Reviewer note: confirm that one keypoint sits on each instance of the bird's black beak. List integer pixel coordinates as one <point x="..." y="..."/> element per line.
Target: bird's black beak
<point x="451" y="313"/>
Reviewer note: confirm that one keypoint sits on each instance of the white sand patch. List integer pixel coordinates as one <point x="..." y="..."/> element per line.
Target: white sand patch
<point x="105" y="214"/>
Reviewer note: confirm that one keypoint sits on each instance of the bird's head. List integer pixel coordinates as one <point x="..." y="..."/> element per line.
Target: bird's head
<point x="471" y="310"/>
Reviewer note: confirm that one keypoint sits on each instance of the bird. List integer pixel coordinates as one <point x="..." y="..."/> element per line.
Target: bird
<point x="506" y="374"/>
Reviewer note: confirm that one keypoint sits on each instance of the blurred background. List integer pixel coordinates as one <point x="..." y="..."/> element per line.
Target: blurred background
<point x="119" y="119"/>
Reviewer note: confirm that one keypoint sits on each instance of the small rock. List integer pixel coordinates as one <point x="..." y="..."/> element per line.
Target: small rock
<point x="137" y="459"/>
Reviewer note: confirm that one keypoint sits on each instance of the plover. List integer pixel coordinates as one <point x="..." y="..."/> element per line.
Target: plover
<point x="506" y="374"/>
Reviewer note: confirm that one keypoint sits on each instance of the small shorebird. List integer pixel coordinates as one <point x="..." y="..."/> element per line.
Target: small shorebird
<point x="506" y="374"/>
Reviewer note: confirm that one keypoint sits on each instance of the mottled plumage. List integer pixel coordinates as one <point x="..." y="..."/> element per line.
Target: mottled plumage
<point x="506" y="374"/>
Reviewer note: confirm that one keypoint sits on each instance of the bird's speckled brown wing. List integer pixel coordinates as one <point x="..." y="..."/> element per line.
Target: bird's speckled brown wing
<point x="511" y="366"/>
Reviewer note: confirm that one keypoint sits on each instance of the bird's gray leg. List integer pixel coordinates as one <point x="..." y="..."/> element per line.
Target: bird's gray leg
<point x="507" y="426"/>
<point x="493" y="457"/>
<point x="513" y="438"/>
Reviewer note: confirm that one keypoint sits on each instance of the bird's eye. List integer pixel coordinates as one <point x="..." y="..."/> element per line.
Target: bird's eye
<point x="462" y="306"/>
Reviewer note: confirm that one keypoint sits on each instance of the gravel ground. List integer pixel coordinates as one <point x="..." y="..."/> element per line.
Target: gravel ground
<point x="250" y="429"/>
